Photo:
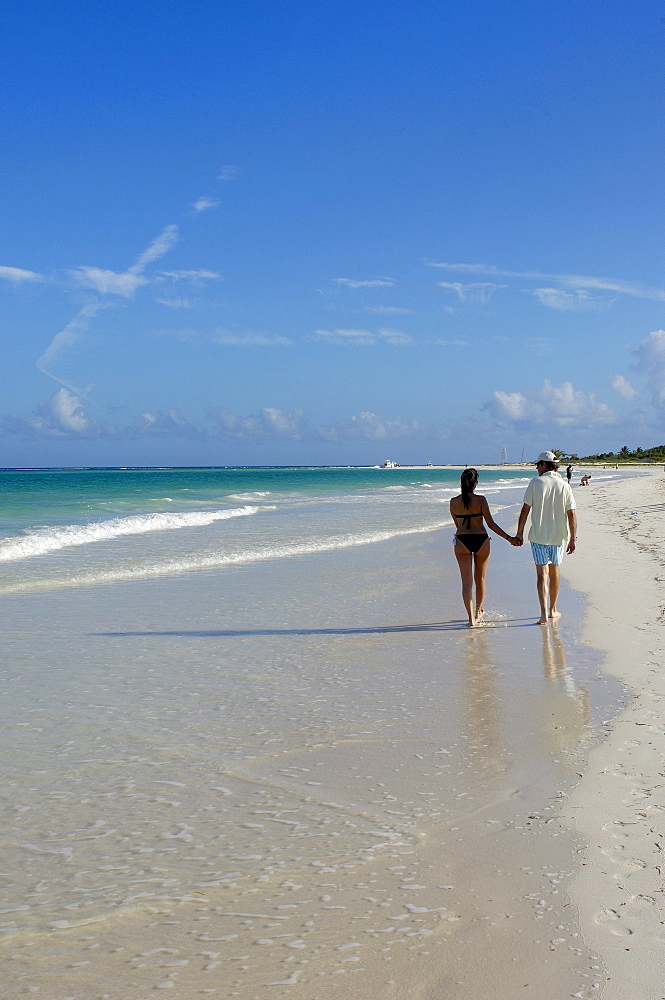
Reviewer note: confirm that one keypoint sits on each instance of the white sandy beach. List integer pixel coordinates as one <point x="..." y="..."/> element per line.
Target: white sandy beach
<point x="619" y="806"/>
<point x="253" y="782"/>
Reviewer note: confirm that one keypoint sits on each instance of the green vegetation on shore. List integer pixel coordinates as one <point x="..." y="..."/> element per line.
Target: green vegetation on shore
<point x="656" y="454"/>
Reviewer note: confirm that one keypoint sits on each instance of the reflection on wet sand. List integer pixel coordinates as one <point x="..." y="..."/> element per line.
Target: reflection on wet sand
<point x="487" y="740"/>
<point x="566" y="703"/>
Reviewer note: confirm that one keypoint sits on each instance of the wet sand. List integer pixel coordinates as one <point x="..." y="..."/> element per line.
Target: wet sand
<point x="251" y="782"/>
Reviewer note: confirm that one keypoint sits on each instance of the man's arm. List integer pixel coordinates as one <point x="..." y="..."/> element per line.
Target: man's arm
<point x="572" y="524"/>
<point x="524" y="513"/>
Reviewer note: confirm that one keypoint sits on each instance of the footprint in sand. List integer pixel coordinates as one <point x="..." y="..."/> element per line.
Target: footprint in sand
<point x="613" y="828"/>
<point x="614" y="853"/>
<point x="642" y="901"/>
<point x="613" y="922"/>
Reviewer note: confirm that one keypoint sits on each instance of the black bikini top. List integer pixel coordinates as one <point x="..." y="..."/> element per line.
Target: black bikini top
<point x="466" y="518"/>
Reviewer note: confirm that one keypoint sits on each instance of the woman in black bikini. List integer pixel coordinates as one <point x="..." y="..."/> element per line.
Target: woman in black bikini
<point x="472" y="543"/>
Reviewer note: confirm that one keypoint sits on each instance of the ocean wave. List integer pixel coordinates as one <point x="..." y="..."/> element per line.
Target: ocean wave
<point x="214" y="560"/>
<point x="250" y="495"/>
<point x="499" y="487"/>
<point x="45" y="540"/>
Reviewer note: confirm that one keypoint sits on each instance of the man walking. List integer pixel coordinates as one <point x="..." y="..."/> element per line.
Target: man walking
<point x="551" y="503"/>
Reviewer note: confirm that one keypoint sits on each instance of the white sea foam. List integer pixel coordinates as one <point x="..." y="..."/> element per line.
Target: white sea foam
<point x="251" y="495"/>
<point x="213" y="560"/>
<point x="44" y="540"/>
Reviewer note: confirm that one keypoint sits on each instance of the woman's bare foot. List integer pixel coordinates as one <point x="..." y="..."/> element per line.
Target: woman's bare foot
<point x="542" y="621"/>
<point x="480" y="613"/>
<point x="554" y="614"/>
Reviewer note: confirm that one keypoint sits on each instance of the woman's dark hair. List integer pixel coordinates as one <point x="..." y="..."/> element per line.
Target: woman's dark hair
<point x="469" y="481"/>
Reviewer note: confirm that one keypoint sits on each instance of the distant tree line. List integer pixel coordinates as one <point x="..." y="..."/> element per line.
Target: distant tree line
<point x="656" y="454"/>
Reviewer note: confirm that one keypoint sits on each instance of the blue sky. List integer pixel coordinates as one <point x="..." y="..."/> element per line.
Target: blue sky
<point x="274" y="233"/>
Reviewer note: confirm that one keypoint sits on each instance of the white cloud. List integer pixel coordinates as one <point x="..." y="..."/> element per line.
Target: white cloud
<point x="570" y="301"/>
<point x="368" y="426"/>
<point x="109" y="282"/>
<point x="475" y="292"/>
<point x="363" y="337"/>
<point x="508" y="405"/>
<point x="170" y="422"/>
<point x="651" y="361"/>
<point x="623" y="387"/>
<point x="251" y="339"/>
<point x="268" y="423"/>
<point x="204" y="204"/>
<point x="571" y="407"/>
<point x="354" y="283"/>
<point x="65" y="411"/>
<point x="282" y="424"/>
<point x="160" y="245"/>
<point x="576" y="281"/>
<point x="127" y="283"/>
<point x="228" y="173"/>
<point x="194" y="276"/>
<point x="551" y="405"/>
<point x="451" y="343"/>
<point x="105" y="283"/>
<point x="62" y="415"/>
<point x="388" y="310"/>
<point x="68" y="336"/>
<point x="175" y="303"/>
<point x="17" y="274"/>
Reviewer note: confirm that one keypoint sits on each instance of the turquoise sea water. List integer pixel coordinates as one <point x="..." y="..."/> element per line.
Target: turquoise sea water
<point x="63" y="528"/>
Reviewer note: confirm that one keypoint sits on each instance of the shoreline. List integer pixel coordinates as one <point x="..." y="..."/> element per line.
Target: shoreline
<point x="619" y="805"/>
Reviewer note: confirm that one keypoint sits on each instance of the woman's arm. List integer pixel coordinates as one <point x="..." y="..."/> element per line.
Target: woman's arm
<point x="524" y="513"/>
<point x="491" y="523"/>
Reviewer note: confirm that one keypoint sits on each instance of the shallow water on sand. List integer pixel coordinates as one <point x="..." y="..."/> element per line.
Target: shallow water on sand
<point x="248" y="782"/>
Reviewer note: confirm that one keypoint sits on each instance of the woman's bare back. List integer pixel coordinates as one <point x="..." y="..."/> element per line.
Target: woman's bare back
<point x="468" y="519"/>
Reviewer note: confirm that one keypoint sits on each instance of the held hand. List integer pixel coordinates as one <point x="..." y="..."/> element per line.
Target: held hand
<point x="518" y="540"/>
<point x="515" y="541"/>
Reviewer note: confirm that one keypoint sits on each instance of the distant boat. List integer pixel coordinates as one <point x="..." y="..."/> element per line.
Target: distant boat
<point x="389" y="465"/>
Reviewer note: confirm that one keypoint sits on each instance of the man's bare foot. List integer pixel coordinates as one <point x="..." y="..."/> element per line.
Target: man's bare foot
<point x="555" y="614"/>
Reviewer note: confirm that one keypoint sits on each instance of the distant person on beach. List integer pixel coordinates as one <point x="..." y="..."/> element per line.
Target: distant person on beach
<point x="551" y="503"/>
<point x="472" y="543"/>
<point x="569" y="473"/>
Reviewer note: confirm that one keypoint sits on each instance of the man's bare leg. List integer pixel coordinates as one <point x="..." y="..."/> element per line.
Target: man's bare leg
<point x="542" y="584"/>
<point x="555" y="583"/>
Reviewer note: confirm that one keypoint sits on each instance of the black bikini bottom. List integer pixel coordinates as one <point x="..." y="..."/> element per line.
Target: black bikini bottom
<point x="473" y="540"/>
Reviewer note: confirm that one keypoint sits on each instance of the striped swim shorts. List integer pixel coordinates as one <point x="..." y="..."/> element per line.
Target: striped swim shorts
<point x="544" y="554"/>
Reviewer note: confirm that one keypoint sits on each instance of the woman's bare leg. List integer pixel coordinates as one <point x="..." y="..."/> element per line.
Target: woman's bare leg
<point x="480" y="562"/>
<point x="465" y="563"/>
